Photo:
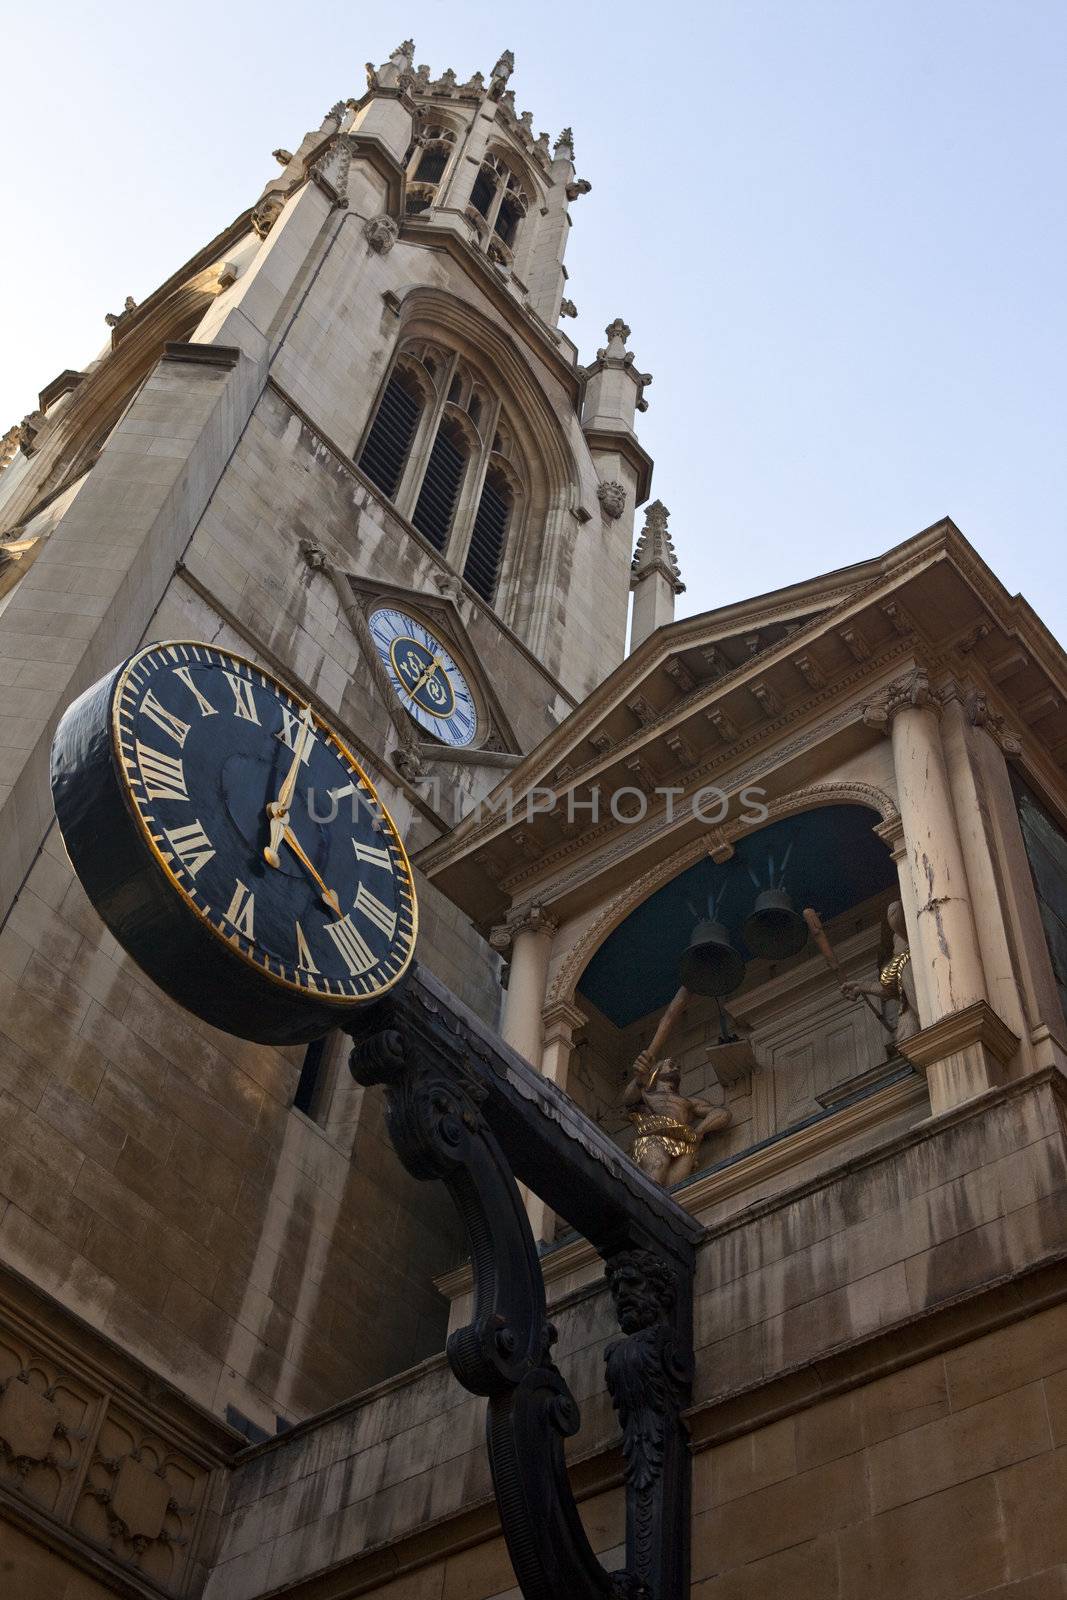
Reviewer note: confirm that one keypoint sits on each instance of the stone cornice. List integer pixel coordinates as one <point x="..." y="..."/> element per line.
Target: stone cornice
<point x="622" y="442"/>
<point x="720" y="765"/>
<point x="975" y="1024"/>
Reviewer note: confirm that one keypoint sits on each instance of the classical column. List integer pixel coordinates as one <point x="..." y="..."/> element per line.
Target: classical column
<point x="964" y="717"/>
<point x="528" y="933"/>
<point x="963" y="1042"/>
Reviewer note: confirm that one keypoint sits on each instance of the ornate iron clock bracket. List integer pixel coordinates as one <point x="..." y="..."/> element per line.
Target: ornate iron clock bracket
<point x="464" y="1108"/>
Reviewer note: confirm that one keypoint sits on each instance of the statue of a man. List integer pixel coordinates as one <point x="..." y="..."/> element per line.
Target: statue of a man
<point x="895" y="981"/>
<point x="670" y="1126"/>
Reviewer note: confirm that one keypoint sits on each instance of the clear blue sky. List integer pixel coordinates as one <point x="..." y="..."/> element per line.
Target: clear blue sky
<point x="836" y="228"/>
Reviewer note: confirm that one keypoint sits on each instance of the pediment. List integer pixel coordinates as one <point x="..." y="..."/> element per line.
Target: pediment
<point x="710" y="697"/>
<point x="440" y="613"/>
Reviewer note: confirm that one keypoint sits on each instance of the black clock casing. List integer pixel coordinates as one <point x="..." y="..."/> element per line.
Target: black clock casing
<point x="250" y="948"/>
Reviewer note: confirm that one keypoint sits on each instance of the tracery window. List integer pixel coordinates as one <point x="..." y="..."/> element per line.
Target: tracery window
<point x="440" y="447"/>
<point x="498" y="204"/>
<point x="429" y="161"/>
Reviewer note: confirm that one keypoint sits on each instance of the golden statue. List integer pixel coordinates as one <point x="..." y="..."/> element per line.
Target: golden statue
<point x="670" y="1126"/>
<point x="895" y="981"/>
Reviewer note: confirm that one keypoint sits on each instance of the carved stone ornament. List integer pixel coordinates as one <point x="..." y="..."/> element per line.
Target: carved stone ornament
<point x="567" y="308"/>
<point x="504" y="67"/>
<point x="981" y="716"/>
<point x="612" y="497"/>
<point x="463" y="1109"/>
<point x="266" y="213"/>
<point x="381" y="233"/>
<point x="29" y="1422"/>
<point x="113" y="318"/>
<point x="908" y="693"/>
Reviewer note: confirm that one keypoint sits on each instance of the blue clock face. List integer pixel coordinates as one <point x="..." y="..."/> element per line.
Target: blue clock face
<point x="263" y="823"/>
<point x="427" y="680"/>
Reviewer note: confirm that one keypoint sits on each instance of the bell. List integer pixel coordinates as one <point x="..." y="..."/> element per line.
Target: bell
<point x="711" y="965"/>
<point x="773" y="930"/>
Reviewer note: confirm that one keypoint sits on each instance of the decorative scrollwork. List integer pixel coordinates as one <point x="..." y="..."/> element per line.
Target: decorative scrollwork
<point x="444" y="1089"/>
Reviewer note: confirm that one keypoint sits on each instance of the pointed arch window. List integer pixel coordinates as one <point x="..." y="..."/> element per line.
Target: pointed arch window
<point x="389" y="441"/>
<point x="489" y="533"/>
<point x="436" y="504"/>
<point x="442" y="447"/>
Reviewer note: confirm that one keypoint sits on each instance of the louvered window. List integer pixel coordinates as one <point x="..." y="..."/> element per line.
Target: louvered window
<point x="482" y="194"/>
<point x="437" y="497"/>
<point x="482" y="567"/>
<point x="507" y="221"/>
<point x="433" y="163"/>
<point x="389" y="440"/>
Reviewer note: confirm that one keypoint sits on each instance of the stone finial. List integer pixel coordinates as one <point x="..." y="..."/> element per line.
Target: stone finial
<point x="563" y="150"/>
<point x="391" y="72"/>
<point x="617" y="334"/>
<point x="654" y="551"/>
<point x="475" y="84"/>
<point x="541" y="146"/>
<point x="504" y="68"/>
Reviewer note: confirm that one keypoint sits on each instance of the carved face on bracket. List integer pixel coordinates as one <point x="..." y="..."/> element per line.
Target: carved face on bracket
<point x="642" y="1287"/>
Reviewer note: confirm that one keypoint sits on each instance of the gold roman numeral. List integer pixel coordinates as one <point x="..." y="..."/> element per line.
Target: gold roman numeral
<point x="354" y="949"/>
<point x="174" y="726"/>
<point x="244" y="702"/>
<point x="206" y="708"/>
<point x="163" y="776"/>
<point x="372" y="908"/>
<point x="191" y="845"/>
<point x="290" y="733"/>
<point x="304" y="960"/>
<point x="242" y="909"/>
<point x="371" y="856"/>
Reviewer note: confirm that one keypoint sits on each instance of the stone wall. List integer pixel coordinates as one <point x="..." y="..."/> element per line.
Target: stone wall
<point x="155" y="1179"/>
<point x="880" y="1405"/>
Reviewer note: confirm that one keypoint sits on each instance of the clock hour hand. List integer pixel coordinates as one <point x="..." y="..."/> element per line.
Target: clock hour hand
<point x="329" y="895"/>
<point x="426" y="676"/>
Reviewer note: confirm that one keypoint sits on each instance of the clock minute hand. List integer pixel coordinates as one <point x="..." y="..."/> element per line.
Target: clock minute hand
<point x="278" y="810"/>
<point x="329" y="895"/>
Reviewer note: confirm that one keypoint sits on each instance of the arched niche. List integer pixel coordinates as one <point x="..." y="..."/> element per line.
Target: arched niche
<point x="812" y="1042"/>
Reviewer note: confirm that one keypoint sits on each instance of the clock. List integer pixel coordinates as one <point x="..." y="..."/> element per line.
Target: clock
<point x="427" y="680"/>
<point x="232" y="844"/>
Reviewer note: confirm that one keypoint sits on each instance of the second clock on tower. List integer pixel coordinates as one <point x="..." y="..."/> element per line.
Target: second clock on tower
<point x="425" y="677"/>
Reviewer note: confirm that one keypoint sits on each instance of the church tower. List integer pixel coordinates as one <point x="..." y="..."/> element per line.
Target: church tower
<point x="353" y="417"/>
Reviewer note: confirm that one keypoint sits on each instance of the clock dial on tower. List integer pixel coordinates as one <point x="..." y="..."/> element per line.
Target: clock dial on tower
<point x="425" y="677"/>
<point x="232" y="843"/>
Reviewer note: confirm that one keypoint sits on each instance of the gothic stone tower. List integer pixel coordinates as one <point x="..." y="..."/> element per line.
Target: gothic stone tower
<point x="356" y="400"/>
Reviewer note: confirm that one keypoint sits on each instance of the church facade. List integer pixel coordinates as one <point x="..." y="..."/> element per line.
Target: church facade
<point x="351" y="441"/>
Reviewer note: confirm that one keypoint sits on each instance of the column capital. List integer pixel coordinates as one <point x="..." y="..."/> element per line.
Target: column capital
<point x="531" y="918"/>
<point x="910" y="692"/>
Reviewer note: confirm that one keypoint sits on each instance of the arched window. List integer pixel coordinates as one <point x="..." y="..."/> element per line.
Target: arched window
<point x="482" y="567"/>
<point x="430" y="155"/>
<point x="484" y="192"/>
<point x="436" y="504"/>
<point x="389" y="440"/>
<point x="443" y="448"/>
